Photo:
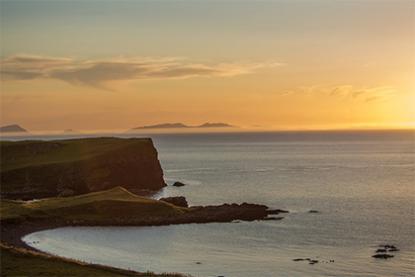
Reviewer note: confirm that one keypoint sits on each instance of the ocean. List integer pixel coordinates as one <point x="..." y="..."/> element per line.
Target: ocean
<point x="362" y="183"/>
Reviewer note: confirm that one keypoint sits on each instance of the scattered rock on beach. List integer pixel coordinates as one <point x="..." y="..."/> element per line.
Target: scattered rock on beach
<point x="178" y="184"/>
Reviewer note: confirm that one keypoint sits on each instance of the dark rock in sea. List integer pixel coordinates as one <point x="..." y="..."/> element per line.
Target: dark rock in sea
<point x="176" y="200"/>
<point x="387" y="247"/>
<point x="178" y="184"/>
<point x="313" y="262"/>
<point x="313" y="212"/>
<point x="382" y="256"/>
<point x="273" y="218"/>
<point x="391" y="247"/>
<point x="225" y="213"/>
<point x="277" y="211"/>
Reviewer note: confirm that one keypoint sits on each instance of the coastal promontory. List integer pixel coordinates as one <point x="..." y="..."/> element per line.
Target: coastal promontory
<point x="39" y="169"/>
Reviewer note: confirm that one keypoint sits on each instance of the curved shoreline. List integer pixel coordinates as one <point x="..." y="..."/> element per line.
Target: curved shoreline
<point x="40" y="254"/>
<point x="12" y="240"/>
<point x="12" y="233"/>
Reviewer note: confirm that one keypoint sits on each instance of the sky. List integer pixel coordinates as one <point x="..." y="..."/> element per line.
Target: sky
<point x="276" y="64"/>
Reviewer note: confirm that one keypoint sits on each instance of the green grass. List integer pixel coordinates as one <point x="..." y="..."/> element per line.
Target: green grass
<point x="20" y="154"/>
<point x="20" y="262"/>
<point x="112" y="206"/>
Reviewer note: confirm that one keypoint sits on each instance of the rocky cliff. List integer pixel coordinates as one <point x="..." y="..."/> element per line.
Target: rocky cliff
<point x="38" y="169"/>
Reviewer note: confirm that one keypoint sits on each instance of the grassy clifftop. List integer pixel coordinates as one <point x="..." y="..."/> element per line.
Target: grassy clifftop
<point x="110" y="207"/>
<point x="23" y="262"/>
<point x="38" y="169"/>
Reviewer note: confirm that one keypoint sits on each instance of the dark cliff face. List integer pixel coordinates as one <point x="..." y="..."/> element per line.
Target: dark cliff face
<point x="38" y="169"/>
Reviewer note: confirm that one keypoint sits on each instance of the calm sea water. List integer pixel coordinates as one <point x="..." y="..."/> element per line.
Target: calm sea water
<point x="363" y="184"/>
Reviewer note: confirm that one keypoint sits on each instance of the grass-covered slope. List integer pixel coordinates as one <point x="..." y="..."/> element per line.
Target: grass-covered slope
<point x="38" y="169"/>
<point x="21" y="262"/>
<point x="110" y="207"/>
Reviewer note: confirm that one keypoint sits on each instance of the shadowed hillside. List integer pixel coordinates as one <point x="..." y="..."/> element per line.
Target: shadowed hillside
<point x="23" y="262"/>
<point x="113" y="206"/>
<point x="38" y="169"/>
<point x="118" y="207"/>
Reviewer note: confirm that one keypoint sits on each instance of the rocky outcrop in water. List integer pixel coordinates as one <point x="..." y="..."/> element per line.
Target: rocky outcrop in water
<point x="178" y="184"/>
<point x="176" y="200"/>
<point x="383" y="251"/>
<point x="312" y="261"/>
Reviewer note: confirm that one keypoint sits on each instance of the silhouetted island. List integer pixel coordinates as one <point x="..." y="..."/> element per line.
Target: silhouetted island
<point x="70" y="131"/>
<point x="14" y="128"/>
<point x="181" y="125"/>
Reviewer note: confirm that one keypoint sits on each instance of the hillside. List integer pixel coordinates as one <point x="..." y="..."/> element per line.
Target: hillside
<point x="38" y="169"/>
<point x="113" y="207"/>
<point x="24" y="262"/>
<point x="116" y="205"/>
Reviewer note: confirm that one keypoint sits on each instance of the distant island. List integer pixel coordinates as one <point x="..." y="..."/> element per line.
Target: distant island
<point x="181" y="125"/>
<point x="71" y="132"/>
<point x="14" y="128"/>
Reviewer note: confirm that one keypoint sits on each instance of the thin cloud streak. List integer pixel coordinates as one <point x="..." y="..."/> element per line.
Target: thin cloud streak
<point x="367" y="94"/>
<point x="99" y="72"/>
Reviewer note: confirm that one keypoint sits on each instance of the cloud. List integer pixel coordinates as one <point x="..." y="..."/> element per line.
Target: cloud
<point x="366" y="94"/>
<point x="100" y="72"/>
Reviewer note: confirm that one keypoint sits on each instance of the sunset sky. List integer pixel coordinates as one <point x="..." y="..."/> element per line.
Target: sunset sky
<point x="277" y="64"/>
